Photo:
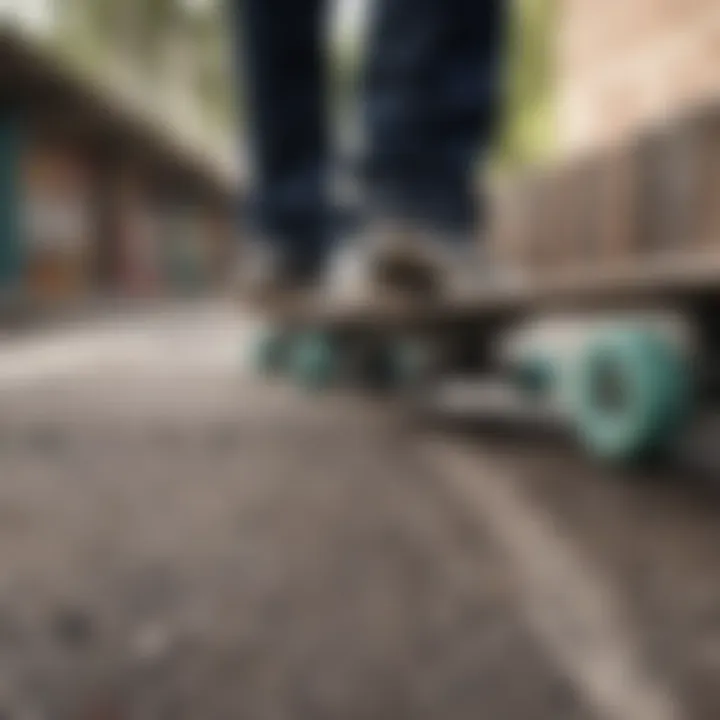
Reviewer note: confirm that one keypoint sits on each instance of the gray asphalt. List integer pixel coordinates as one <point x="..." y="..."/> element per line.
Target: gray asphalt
<point x="179" y="540"/>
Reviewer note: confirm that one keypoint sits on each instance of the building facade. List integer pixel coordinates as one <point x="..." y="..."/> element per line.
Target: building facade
<point x="95" y="198"/>
<point x="625" y="63"/>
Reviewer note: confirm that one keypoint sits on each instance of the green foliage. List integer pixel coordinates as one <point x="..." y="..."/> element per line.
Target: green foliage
<point x="137" y="34"/>
<point x="138" y="31"/>
<point x="528" y="128"/>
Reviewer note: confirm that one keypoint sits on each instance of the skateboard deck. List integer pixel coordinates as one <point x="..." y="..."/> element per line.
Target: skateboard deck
<point x="625" y="384"/>
<point x="671" y="278"/>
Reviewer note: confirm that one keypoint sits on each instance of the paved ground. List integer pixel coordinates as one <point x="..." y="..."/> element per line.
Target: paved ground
<point x="179" y="542"/>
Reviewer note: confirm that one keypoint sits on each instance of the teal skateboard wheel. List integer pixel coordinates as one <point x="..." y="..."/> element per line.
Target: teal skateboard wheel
<point x="632" y="394"/>
<point x="314" y="361"/>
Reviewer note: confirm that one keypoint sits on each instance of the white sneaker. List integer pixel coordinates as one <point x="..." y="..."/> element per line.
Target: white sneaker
<point x="266" y="275"/>
<point x="416" y="264"/>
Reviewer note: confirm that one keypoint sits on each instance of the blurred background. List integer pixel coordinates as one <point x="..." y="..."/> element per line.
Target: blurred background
<point x="121" y="152"/>
<point x="180" y="540"/>
<point x="121" y="145"/>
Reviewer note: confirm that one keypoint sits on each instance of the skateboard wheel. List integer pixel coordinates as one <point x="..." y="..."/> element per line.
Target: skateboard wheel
<point x="314" y="361"/>
<point x="269" y="351"/>
<point x="632" y="394"/>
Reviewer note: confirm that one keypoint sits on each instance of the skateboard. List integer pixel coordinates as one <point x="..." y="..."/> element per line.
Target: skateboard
<point x="612" y="327"/>
<point x="620" y="356"/>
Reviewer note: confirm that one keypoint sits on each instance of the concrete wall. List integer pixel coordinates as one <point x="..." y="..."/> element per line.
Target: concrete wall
<point x="624" y="63"/>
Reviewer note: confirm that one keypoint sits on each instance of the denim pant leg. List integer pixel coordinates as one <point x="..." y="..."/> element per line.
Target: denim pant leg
<point x="432" y="93"/>
<point x="280" y="54"/>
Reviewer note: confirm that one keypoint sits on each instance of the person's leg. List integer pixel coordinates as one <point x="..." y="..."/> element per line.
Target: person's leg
<point x="432" y="94"/>
<point x="280" y="57"/>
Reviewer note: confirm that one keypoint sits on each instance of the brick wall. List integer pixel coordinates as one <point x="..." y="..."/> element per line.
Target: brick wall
<point x="624" y="63"/>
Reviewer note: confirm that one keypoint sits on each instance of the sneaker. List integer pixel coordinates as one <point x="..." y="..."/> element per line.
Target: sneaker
<point x="461" y="265"/>
<point x="267" y="276"/>
<point x="404" y="262"/>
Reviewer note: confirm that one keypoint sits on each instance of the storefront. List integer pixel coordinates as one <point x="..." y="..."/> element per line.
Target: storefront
<point x="58" y="222"/>
<point x="97" y="200"/>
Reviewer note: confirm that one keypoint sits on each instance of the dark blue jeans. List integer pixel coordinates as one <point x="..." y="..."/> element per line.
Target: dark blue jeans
<point x="431" y="92"/>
